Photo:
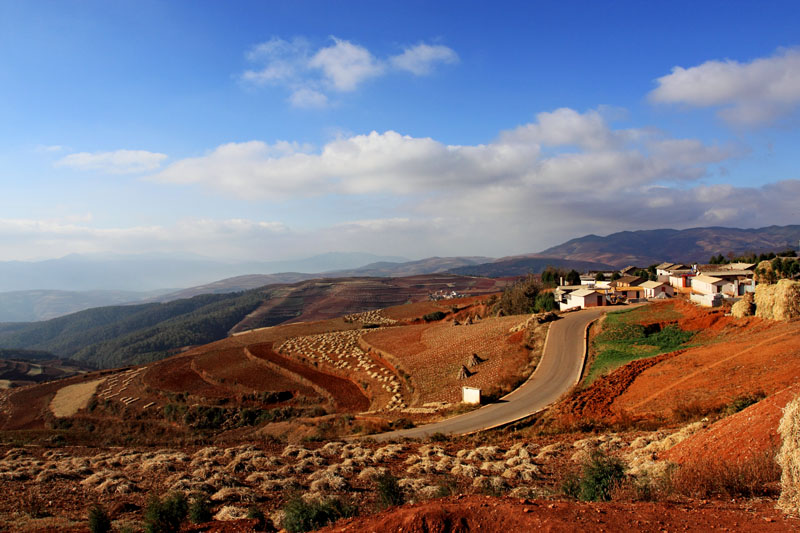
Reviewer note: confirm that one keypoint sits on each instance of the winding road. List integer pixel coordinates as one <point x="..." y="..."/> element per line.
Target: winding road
<point x="559" y="370"/>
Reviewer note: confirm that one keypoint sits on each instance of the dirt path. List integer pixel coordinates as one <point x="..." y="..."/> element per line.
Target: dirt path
<point x="706" y="368"/>
<point x="72" y="398"/>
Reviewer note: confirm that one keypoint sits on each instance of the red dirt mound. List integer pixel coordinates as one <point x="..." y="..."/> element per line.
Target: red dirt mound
<point x="595" y="401"/>
<point x="483" y="513"/>
<point x="742" y="436"/>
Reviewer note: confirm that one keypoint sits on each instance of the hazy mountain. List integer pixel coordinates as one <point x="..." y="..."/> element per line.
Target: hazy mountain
<point x="118" y="335"/>
<point x="526" y="264"/>
<point x="430" y="265"/>
<point x="30" y="306"/>
<point x="646" y="247"/>
<point x="155" y="272"/>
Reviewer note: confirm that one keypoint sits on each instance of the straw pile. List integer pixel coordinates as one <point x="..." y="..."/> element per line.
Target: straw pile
<point x="789" y="458"/>
<point x="778" y="302"/>
<point x="744" y="307"/>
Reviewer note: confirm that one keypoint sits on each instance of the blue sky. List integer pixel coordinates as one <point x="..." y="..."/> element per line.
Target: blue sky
<point x="273" y="130"/>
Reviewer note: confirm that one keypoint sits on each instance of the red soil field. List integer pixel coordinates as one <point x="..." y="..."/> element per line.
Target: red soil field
<point x="177" y="375"/>
<point x="346" y="394"/>
<point x="748" y="357"/>
<point x="484" y="513"/>
<point x="745" y="435"/>
<point x="433" y="355"/>
<point x="232" y="367"/>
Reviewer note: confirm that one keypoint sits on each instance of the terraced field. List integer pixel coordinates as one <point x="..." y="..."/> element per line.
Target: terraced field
<point x="433" y="354"/>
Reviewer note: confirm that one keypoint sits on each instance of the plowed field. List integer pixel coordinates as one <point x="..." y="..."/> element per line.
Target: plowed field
<point x="434" y="353"/>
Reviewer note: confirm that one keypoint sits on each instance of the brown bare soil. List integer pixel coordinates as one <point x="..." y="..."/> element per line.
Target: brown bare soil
<point x="743" y="436"/>
<point x="484" y="513"/>
<point x="434" y="354"/>
<point x="348" y="397"/>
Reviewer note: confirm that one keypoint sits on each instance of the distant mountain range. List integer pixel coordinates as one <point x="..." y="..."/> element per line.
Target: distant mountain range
<point x="119" y="335"/>
<point x="134" y="278"/>
<point x="156" y="272"/>
<point x="646" y="247"/>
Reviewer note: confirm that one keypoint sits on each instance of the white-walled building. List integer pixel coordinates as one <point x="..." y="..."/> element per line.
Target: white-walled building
<point x="652" y="289"/>
<point x="703" y="284"/>
<point x="582" y="299"/>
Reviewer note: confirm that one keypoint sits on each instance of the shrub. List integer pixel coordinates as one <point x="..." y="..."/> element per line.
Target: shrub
<point x="389" y="491"/>
<point x="433" y="317"/>
<point x="99" y="521"/>
<point x="165" y="516"/>
<point x="200" y="509"/>
<point x="302" y="516"/>
<point x="743" y="402"/>
<point x="439" y="437"/>
<point x="755" y="476"/>
<point x="254" y="513"/>
<point x="600" y="476"/>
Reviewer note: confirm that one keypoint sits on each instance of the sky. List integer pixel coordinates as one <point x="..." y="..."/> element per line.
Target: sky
<point x="249" y="130"/>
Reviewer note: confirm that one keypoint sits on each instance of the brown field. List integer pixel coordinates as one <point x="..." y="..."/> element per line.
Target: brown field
<point x="432" y="354"/>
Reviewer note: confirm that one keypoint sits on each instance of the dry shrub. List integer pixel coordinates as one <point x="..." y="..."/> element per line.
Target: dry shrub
<point x="789" y="458"/>
<point x="704" y="478"/>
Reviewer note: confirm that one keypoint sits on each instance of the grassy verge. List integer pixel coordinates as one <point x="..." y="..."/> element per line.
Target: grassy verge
<point x="624" y="339"/>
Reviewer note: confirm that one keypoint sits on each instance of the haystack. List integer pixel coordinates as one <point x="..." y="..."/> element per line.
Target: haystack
<point x="468" y="321"/>
<point x="789" y="458"/>
<point x="778" y="302"/>
<point x="744" y="307"/>
<point x="473" y="361"/>
<point x="764" y="273"/>
<point x="456" y="322"/>
<point x="464" y="373"/>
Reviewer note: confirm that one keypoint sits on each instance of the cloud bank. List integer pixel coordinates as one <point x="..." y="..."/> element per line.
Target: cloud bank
<point x="756" y="93"/>
<point x="117" y="162"/>
<point x="311" y="75"/>
<point x="552" y="179"/>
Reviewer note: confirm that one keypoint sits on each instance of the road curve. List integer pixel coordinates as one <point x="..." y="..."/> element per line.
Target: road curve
<point x="559" y="369"/>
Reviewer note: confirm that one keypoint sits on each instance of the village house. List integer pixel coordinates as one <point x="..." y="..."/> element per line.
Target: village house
<point x="627" y="281"/>
<point x="582" y="298"/>
<point x="656" y="289"/>
<point x="703" y="284"/>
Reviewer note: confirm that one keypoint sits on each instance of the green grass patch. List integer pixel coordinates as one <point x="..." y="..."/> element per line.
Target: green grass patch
<point x="623" y="340"/>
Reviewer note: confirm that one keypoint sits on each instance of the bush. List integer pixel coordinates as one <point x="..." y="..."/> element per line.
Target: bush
<point x="165" y="516"/>
<point x="254" y="513"/>
<point x="756" y="476"/>
<point x="600" y="476"/>
<point x="199" y="509"/>
<point x="99" y="521"/>
<point x="301" y="516"/>
<point x="433" y="317"/>
<point x="743" y="402"/>
<point x="520" y="298"/>
<point x="389" y="491"/>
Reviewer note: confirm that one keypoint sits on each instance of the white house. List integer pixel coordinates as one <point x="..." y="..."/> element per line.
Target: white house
<point x="582" y="298"/>
<point x="653" y="289"/>
<point x="703" y="284"/>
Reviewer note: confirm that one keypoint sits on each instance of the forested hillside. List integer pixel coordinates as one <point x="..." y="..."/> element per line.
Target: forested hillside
<point x="113" y="336"/>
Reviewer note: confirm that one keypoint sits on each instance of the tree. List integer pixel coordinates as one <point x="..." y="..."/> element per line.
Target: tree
<point x="615" y="276"/>
<point x="600" y="277"/>
<point x="573" y="278"/>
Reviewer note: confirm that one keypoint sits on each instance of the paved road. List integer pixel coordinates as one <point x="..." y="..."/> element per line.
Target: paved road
<point x="558" y="371"/>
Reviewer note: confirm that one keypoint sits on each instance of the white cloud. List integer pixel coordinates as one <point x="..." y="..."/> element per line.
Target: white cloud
<point x="563" y="175"/>
<point x="308" y="98"/>
<point x="26" y="239"/>
<point x="117" y="162"/>
<point x="395" y="164"/>
<point x="309" y="74"/>
<point x="346" y="65"/>
<point x="422" y="58"/>
<point x="753" y="93"/>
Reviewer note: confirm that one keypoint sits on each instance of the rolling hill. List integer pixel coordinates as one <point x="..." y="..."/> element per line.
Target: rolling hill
<point x="120" y="335"/>
<point x="646" y="247"/>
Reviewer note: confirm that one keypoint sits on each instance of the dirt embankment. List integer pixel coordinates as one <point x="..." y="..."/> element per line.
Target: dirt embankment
<point x="483" y="513"/>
